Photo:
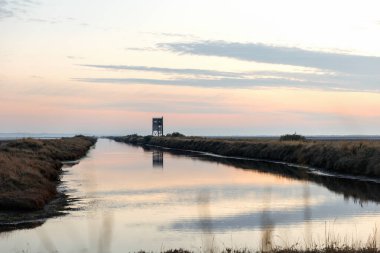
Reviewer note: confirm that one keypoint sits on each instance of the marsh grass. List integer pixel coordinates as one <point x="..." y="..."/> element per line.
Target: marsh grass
<point x="333" y="247"/>
<point x="31" y="168"/>
<point x="332" y="244"/>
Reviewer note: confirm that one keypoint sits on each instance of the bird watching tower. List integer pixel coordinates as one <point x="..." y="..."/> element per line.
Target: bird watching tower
<point x="158" y="126"/>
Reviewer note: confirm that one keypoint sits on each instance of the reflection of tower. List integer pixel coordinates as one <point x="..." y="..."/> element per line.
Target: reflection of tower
<point x="158" y="126"/>
<point x="158" y="159"/>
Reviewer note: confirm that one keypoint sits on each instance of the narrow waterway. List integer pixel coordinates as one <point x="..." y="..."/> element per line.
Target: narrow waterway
<point x="130" y="199"/>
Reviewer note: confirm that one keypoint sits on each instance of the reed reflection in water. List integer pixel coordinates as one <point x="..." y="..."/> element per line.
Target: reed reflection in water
<point x="266" y="222"/>
<point x="158" y="159"/>
<point x="307" y="215"/>
<point x="205" y="220"/>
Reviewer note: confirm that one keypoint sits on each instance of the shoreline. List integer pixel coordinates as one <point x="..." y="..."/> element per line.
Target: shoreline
<point x="315" y="171"/>
<point x="349" y="187"/>
<point x="352" y="159"/>
<point x="30" y="170"/>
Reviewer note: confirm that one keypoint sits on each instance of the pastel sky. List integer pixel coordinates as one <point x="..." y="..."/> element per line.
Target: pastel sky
<point x="210" y="67"/>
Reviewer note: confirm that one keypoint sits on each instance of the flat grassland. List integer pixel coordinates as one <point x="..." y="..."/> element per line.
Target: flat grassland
<point x="31" y="168"/>
<point x="361" y="158"/>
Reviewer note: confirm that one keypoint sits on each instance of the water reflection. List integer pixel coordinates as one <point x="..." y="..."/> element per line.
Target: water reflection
<point x="158" y="159"/>
<point x="359" y="191"/>
<point x="198" y="202"/>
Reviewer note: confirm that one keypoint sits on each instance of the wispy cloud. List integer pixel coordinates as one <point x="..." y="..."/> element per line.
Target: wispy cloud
<point x="201" y="107"/>
<point x="4" y="10"/>
<point x="10" y="8"/>
<point x="72" y="57"/>
<point x="223" y="79"/>
<point x="215" y="83"/>
<point x="143" y="49"/>
<point x="258" y="52"/>
<point x="333" y="70"/>
<point x="175" y="35"/>
<point x="46" y="21"/>
<point x="198" y="72"/>
<point x="54" y="21"/>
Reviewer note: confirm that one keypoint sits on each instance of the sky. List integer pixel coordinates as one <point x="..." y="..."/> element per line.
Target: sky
<point x="208" y="67"/>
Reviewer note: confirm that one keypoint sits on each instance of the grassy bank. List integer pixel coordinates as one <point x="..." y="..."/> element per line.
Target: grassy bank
<point x="30" y="169"/>
<point x="346" y="157"/>
<point x="284" y="250"/>
<point x="358" y="190"/>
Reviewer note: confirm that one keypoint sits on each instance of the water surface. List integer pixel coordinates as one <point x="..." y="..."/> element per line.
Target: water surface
<point x="132" y="199"/>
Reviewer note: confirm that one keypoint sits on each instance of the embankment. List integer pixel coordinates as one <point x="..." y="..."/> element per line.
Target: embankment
<point x="359" y="190"/>
<point x="360" y="158"/>
<point x="30" y="169"/>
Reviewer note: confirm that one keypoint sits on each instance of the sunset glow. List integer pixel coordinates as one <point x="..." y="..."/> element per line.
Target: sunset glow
<point x="210" y="68"/>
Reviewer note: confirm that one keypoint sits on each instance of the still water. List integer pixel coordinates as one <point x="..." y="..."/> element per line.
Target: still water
<point x="130" y="199"/>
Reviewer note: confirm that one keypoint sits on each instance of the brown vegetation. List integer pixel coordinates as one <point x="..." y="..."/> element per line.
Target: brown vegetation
<point x="327" y="249"/>
<point x="346" y="157"/>
<point x="30" y="169"/>
<point x="331" y="245"/>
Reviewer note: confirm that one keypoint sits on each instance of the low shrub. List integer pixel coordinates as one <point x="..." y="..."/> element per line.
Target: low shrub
<point x="292" y="137"/>
<point x="175" y="134"/>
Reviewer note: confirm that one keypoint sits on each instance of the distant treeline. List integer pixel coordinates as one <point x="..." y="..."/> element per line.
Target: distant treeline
<point x="31" y="168"/>
<point x="346" y="157"/>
